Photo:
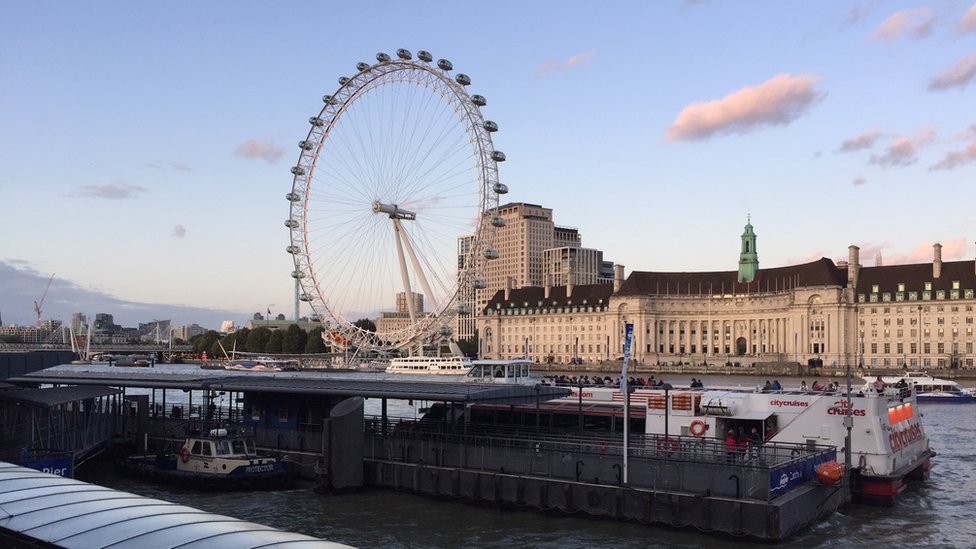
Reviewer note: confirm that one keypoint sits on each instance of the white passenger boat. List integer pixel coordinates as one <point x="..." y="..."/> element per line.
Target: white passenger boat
<point x="515" y="371"/>
<point x="430" y="365"/>
<point x="888" y="443"/>
<point x="928" y="388"/>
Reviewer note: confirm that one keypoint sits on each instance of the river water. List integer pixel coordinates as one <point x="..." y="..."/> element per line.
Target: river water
<point x="940" y="512"/>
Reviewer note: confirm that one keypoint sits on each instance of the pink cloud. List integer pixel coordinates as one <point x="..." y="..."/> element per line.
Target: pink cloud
<point x="953" y="250"/>
<point x="574" y="61"/>
<point x="861" y="141"/>
<point x="916" y="23"/>
<point x="860" y="180"/>
<point x="777" y="101"/>
<point x="958" y="75"/>
<point x="902" y="150"/>
<point x="260" y="148"/>
<point x="968" y="21"/>
<point x="955" y="159"/>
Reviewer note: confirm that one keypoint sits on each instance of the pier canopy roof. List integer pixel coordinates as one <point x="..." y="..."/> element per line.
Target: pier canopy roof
<point x="441" y="391"/>
<point x="65" y="512"/>
<point x="53" y="396"/>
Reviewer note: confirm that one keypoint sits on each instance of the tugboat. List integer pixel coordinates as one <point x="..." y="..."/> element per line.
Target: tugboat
<point x="218" y="460"/>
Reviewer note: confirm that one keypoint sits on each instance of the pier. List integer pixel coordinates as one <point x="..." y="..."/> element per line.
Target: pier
<point x="525" y="463"/>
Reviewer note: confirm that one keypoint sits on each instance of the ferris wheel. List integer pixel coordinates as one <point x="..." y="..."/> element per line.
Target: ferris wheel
<point x="394" y="203"/>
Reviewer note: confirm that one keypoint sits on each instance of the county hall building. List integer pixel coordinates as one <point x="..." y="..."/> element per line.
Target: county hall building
<point x="822" y="312"/>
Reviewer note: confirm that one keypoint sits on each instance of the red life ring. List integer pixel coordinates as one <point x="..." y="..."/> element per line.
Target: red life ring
<point x="697" y="428"/>
<point x="184" y="454"/>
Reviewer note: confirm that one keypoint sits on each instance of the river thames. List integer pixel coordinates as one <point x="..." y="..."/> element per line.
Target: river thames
<point x="940" y="512"/>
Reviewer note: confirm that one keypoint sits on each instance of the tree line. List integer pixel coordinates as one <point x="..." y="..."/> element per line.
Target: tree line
<point x="293" y="340"/>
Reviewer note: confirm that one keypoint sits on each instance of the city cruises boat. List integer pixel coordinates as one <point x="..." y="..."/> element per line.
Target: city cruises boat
<point x="261" y="364"/>
<point x="888" y="442"/>
<point x="215" y="460"/>
<point x="514" y="371"/>
<point x="929" y="389"/>
<point x="430" y="365"/>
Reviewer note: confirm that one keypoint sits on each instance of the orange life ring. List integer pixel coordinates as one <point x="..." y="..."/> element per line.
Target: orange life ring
<point x="697" y="428"/>
<point x="184" y="454"/>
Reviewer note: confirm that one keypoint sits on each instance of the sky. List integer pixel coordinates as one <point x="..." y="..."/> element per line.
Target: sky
<point x="145" y="147"/>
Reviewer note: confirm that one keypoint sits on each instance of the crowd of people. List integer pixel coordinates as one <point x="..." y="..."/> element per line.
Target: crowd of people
<point x="817" y="387"/>
<point x="607" y="381"/>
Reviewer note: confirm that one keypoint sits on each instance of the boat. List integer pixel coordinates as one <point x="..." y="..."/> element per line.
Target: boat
<point x="138" y="361"/>
<point x="261" y="364"/>
<point x="218" y="459"/>
<point x="430" y="365"/>
<point x="928" y="388"/>
<point x="515" y="371"/>
<point x="888" y="442"/>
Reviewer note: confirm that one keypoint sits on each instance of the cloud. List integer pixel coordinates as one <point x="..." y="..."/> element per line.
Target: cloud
<point x="916" y="23"/>
<point x="861" y="141"/>
<point x="952" y="250"/>
<point x="955" y="159"/>
<point x="260" y="148"/>
<point x="859" y="180"/>
<point x="165" y="164"/>
<point x="968" y="21"/>
<point x="902" y="151"/>
<point x="110" y="192"/>
<point x="574" y="61"/>
<point x="959" y="74"/>
<point x="179" y="231"/>
<point x="777" y="101"/>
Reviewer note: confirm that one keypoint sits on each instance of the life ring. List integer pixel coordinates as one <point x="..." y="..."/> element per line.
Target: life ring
<point x="184" y="454"/>
<point x="697" y="428"/>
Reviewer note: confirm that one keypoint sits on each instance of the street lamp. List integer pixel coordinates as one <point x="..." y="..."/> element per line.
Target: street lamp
<point x="667" y="387"/>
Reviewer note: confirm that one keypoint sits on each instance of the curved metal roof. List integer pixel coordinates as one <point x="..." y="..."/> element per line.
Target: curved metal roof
<point x="70" y="513"/>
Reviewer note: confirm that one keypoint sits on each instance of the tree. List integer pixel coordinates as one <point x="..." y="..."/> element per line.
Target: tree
<point x="365" y="324"/>
<point x="275" y="342"/>
<point x="469" y="345"/>
<point x="205" y="341"/>
<point x="294" y="339"/>
<point x="314" y="342"/>
<point x="257" y="340"/>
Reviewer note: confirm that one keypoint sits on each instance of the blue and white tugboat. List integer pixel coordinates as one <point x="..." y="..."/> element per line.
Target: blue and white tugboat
<point x="218" y="460"/>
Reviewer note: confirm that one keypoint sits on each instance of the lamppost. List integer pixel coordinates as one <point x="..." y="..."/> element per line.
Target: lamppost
<point x="579" y="389"/>
<point x="919" y="335"/>
<point x="667" y="388"/>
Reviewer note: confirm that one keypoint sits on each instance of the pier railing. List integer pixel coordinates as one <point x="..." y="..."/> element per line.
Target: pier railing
<point x="675" y="463"/>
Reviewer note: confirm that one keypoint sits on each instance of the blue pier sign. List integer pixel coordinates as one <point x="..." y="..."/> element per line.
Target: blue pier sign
<point x="61" y="465"/>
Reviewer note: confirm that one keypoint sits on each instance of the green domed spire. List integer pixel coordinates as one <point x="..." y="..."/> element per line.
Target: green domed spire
<point x="748" y="258"/>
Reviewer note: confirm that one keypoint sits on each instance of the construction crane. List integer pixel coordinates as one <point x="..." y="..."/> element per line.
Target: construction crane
<point x="38" y="304"/>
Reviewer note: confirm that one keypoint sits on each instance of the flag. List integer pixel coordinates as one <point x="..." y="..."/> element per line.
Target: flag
<point x="269" y="312"/>
<point x="628" y="336"/>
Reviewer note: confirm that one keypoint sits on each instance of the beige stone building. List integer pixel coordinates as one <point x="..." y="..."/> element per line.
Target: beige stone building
<point x="898" y="316"/>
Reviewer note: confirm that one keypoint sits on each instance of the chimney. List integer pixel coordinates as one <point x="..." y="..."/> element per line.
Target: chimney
<point x="618" y="277"/>
<point x="548" y="286"/>
<point x="569" y="284"/>
<point x="508" y="287"/>
<point x="936" y="260"/>
<point x="853" y="265"/>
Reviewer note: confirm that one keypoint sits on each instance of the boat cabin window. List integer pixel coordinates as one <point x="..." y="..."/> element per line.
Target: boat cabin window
<point x="238" y="446"/>
<point x="223" y="447"/>
<point x="201" y="448"/>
